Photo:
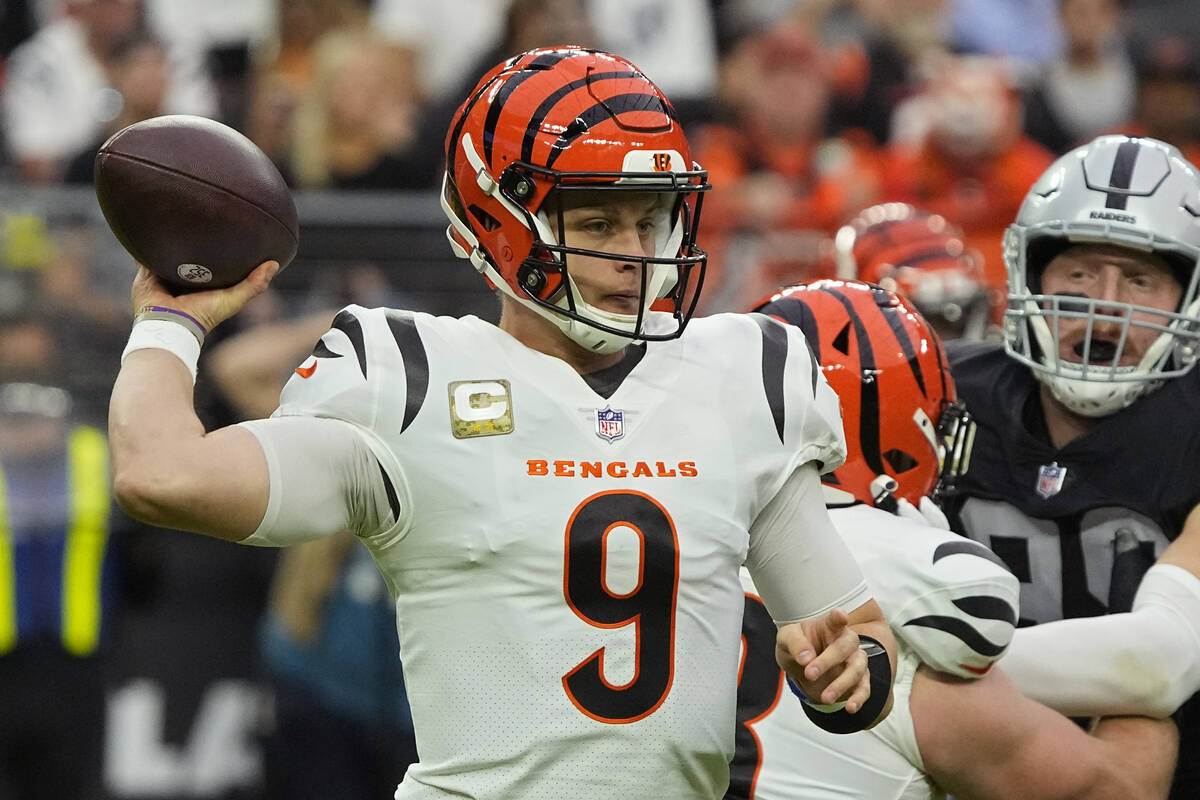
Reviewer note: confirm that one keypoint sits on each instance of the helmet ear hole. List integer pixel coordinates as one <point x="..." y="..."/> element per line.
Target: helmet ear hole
<point x="485" y="219"/>
<point x="899" y="461"/>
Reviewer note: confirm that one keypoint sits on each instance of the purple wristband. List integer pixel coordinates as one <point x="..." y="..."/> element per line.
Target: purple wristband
<point x="164" y="310"/>
<point x="173" y="315"/>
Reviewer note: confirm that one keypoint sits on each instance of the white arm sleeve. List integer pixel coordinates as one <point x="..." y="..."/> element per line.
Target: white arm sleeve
<point x="797" y="559"/>
<point x="1146" y="661"/>
<point x="324" y="479"/>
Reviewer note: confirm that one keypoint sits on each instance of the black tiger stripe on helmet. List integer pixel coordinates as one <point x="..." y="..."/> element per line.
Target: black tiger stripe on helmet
<point x="890" y="373"/>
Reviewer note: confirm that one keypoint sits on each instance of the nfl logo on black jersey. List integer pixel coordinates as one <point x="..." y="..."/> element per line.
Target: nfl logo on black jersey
<point x="1050" y="479"/>
<point x="610" y="424"/>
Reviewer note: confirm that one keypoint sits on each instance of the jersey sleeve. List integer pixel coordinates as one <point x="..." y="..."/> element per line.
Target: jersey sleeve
<point x="801" y="566"/>
<point x="950" y="599"/>
<point x="324" y="479"/>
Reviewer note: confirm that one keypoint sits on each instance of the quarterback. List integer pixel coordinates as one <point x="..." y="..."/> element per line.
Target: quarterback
<point x="560" y="504"/>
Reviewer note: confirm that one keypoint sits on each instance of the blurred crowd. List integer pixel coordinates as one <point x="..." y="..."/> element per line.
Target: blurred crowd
<point x="890" y="140"/>
<point x="805" y="112"/>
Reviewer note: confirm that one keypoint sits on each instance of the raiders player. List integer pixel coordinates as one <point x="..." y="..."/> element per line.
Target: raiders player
<point x="559" y="504"/>
<point x="1087" y="450"/>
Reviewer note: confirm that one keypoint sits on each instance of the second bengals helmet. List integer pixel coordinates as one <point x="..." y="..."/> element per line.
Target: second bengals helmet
<point x="907" y="434"/>
<point x="921" y="256"/>
<point x="557" y="120"/>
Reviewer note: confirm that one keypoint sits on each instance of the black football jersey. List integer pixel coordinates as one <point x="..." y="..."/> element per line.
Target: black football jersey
<point x="1079" y="526"/>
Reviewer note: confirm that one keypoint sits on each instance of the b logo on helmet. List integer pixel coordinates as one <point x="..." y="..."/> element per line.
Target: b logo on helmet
<point x="653" y="161"/>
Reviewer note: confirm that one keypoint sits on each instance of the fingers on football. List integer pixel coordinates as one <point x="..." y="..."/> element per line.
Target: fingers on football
<point x="257" y="281"/>
<point x="227" y="302"/>
<point x="147" y="289"/>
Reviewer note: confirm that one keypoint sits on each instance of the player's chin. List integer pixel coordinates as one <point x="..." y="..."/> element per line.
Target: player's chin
<point x="620" y="303"/>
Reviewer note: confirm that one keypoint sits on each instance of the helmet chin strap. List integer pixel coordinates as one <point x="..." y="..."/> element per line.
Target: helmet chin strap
<point x="1092" y="398"/>
<point x="1096" y="397"/>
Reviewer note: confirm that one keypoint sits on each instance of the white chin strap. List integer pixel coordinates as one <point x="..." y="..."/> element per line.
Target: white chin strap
<point x="1092" y="398"/>
<point x="662" y="279"/>
<point x="662" y="276"/>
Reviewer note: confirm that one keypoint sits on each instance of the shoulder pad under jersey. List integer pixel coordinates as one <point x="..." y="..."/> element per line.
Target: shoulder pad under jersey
<point x="804" y="409"/>
<point x="370" y="368"/>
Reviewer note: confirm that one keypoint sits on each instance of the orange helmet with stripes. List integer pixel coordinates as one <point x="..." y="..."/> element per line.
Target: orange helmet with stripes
<point x="907" y="434"/>
<point x="923" y="257"/>
<point x="556" y="120"/>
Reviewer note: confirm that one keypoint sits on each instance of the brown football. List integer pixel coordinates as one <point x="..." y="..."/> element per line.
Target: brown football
<point x="195" y="201"/>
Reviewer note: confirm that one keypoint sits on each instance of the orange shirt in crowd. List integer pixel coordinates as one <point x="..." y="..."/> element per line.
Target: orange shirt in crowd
<point x="982" y="196"/>
<point x="773" y="207"/>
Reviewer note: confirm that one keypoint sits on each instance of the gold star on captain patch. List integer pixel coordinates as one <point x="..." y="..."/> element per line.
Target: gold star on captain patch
<point x="480" y="408"/>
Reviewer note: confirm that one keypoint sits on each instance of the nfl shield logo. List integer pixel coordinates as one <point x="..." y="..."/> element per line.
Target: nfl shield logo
<point x="610" y="424"/>
<point x="1050" y="479"/>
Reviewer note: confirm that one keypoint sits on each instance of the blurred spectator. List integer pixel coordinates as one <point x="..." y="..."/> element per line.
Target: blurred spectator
<point x="60" y="540"/>
<point x="921" y="256"/>
<point x="61" y="267"/>
<point x="958" y="150"/>
<point x="526" y="24"/>
<point x="1168" y="95"/>
<point x="1088" y="88"/>
<point x="342" y="725"/>
<point x="16" y="25"/>
<point x="270" y="114"/>
<point x="282" y="71"/>
<point x="225" y="32"/>
<point x="299" y="24"/>
<point x="672" y="40"/>
<point x="25" y="248"/>
<point x="1150" y="19"/>
<point x="58" y="96"/>
<point x="139" y="74"/>
<point x="357" y="125"/>
<point x="343" y="730"/>
<point x="1024" y="30"/>
<point x="780" y="184"/>
<point x="899" y="37"/>
<point x="448" y="38"/>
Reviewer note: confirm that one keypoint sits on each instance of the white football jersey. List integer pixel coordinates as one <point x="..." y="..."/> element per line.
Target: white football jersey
<point x="565" y="566"/>
<point x="951" y="604"/>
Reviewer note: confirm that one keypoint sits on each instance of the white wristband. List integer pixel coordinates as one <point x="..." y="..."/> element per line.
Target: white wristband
<point x="162" y="334"/>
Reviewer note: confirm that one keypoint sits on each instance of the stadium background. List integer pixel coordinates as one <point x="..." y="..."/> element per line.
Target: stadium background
<point x="187" y="702"/>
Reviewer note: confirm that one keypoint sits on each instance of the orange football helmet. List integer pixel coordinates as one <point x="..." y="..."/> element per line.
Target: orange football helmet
<point x="907" y="434"/>
<point x="921" y="256"/>
<point x="557" y="120"/>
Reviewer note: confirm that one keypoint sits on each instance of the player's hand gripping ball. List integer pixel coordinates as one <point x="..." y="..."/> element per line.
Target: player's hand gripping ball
<point x="195" y="201"/>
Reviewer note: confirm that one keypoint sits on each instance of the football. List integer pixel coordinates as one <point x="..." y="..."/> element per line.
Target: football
<point x="195" y="201"/>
